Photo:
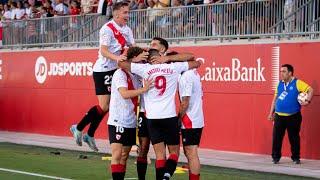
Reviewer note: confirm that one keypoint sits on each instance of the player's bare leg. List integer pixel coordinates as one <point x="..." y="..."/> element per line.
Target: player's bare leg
<point x="142" y="159"/>
<point x="117" y="169"/>
<point x="160" y="151"/>
<point x="191" y="153"/>
<point x="125" y="155"/>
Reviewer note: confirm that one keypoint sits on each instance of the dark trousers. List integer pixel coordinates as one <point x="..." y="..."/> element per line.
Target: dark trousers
<point x="292" y="124"/>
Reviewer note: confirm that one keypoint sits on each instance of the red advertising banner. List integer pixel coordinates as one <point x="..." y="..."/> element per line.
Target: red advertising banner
<point x="47" y="91"/>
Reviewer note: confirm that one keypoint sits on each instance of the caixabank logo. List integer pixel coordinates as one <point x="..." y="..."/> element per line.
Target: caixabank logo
<point x="44" y="70"/>
<point x="237" y="72"/>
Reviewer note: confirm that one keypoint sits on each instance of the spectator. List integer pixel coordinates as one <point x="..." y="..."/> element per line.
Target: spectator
<point x="87" y="6"/>
<point x="177" y="18"/>
<point x="288" y="9"/>
<point x="134" y="4"/>
<point x="74" y="8"/>
<point x="198" y="2"/>
<point x="60" y="9"/>
<point x="6" y="12"/>
<point x="105" y="8"/>
<point x="17" y="12"/>
<point x="49" y="9"/>
<point x="159" y="4"/>
<point x="32" y="2"/>
<point x="43" y="12"/>
<point x="28" y="9"/>
<point x="1" y="10"/>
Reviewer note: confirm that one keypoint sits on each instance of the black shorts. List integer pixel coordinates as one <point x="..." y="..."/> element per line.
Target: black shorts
<point x="191" y="136"/>
<point x="164" y="130"/>
<point x="102" y="82"/>
<point x="124" y="136"/>
<point x="142" y="125"/>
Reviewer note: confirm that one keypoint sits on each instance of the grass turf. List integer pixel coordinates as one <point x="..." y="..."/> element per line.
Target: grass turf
<point x="67" y="164"/>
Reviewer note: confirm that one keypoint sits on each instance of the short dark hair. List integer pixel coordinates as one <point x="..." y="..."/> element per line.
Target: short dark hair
<point x="119" y="5"/>
<point x="133" y="52"/>
<point x="152" y="53"/>
<point x="289" y="67"/>
<point x="162" y="42"/>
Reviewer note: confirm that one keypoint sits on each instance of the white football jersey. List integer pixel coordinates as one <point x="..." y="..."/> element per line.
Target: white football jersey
<point x="106" y="37"/>
<point x="121" y="111"/>
<point x="190" y="85"/>
<point x="159" y="101"/>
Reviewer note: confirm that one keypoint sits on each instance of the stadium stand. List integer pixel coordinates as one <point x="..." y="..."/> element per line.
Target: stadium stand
<point x="44" y="23"/>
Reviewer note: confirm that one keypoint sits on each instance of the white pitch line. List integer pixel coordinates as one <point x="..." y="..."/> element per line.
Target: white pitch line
<point x="32" y="174"/>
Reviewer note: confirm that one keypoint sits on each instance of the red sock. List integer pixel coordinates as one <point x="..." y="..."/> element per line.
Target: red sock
<point x="118" y="171"/>
<point x="194" y="176"/>
<point x="160" y="168"/>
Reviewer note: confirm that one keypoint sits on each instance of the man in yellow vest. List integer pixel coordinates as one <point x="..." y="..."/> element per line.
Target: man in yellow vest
<point x="285" y="111"/>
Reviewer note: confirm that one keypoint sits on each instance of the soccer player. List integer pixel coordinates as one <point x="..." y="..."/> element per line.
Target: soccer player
<point x="115" y="35"/>
<point x="122" y="116"/>
<point x="162" y="46"/>
<point x="162" y="120"/>
<point x="191" y="116"/>
<point x="286" y="112"/>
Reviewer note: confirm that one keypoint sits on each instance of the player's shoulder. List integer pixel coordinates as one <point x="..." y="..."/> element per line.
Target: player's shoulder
<point x="141" y="65"/>
<point x="105" y="28"/>
<point x="118" y="73"/>
<point x="189" y="75"/>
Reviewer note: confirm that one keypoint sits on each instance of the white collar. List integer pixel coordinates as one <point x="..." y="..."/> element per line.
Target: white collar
<point x="116" y="25"/>
<point x="289" y="81"/>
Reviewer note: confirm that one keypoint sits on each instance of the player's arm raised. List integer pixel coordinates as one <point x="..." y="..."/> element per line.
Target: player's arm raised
<point x="106" y="53"/>
<point x="127" y="94"/>
<point x="181" y="57"/>
<point x="194" y="64"/>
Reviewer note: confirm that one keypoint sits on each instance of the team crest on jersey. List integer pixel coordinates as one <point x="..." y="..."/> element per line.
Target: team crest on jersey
<point x="291" y="87"/>
<point x="118" y="137"/>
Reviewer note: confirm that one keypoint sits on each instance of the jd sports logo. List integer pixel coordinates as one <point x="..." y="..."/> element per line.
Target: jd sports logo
<point x="41" y="69"/>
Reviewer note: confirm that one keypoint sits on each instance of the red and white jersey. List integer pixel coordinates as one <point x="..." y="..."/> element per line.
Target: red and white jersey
<point x="108" y="38"/>
<point x="190" y="86"/>
<point x="122" y="111"/>
<point x="160" y="99"/>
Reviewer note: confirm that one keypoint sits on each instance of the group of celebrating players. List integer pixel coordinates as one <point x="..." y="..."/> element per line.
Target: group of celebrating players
<point x="126" y="79"/>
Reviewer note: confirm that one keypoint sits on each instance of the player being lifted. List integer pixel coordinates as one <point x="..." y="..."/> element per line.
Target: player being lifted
<point x="125" y="90"/>
<point x="114" y="36"/>
<point x="162" y="120"/>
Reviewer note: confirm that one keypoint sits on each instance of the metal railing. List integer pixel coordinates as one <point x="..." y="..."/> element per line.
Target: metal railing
<point x="249" y="19"/>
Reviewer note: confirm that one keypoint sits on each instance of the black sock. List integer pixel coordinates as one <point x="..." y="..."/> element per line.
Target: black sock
<point x="142" y="164"/>
<point x="171" y="165"/>
<point x="95" y="122"/>
<point x="118" y="171"/>
<point x="93" y="113"/>
<point x="160" y="169"/>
